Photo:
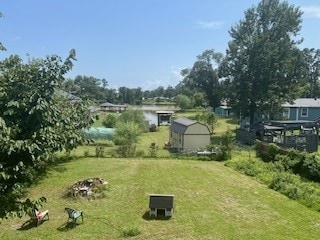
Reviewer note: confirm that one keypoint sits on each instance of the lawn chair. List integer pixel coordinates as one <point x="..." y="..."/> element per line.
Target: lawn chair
<point x="39" y="216"/>
<point x="74" y="215"/>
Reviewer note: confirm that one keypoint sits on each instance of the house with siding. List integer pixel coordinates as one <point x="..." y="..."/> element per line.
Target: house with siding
<point x="306" y="109"/>
<point x="186" y="134"/>
<point x="223" y="111"/>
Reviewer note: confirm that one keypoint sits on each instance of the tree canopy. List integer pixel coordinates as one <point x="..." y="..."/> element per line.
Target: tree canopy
<point x="203" y="77"/>
<point x="36" y="121"/>
<point x="264" y="65"/>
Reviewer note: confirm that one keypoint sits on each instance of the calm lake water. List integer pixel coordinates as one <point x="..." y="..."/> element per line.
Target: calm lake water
<point x="149" y="111"/>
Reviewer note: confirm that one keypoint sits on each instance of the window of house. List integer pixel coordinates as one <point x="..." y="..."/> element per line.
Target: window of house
<point x="304" y="112"/>
<point x="286" y="113"/>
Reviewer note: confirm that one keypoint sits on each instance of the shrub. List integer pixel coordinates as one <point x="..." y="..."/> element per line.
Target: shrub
<point x="273" y="150"/>
<point x="250" y="167"/>
<point x="224" y="150"/>
<point x="153" y="128"/>
<point x="110" y="120"/>
<point x="311" y="167"/>
<point x="86" y="153"/>
<point x="285" y="163"/>
<point x="286" y="183"/>
<point x="153" y="149"/>
<point x="99" y="151"/>
<point x="267" y="152"/>
<point x="130" y="231"/>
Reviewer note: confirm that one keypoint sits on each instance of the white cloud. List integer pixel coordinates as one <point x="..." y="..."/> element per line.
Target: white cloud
<point x="311" y="11"/>
<point x="172" y="79"/>
<point x="209" y="25"/>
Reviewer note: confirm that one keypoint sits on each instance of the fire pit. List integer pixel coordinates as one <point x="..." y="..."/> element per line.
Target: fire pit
<point x="92" y="187"/>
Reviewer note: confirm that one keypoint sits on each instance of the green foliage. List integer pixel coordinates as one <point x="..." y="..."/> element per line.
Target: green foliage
<point x="225" y="148"/>
<point x="130" y="231"/>
<point x="199" y="99"/>
<point x="284" y="163"/>
<point x="184" y="102"/>
<point x="291" y="186"/>
<point x="110" y="120"/>
<point x="286" y="183"/>
<point x="264" y="63"/>
<point x="311" y="167"/>
<point x="127" y="136"/>
<point x="211" y="120"/>
<point x="153" y="149"/>
<point x="36" y="120"/>
<point x="203" y="77"/>
<point x="273" y="150"/>
<point x="302" y="163"/>
<point x="267" y="152"/>
<point x="249" y="167"/>
<point x="278" y="179"/>
<point x="310" y="86"/>
<point x="134" y="116"/>
<point x="130" y="96"/>
<point x="99" y="151"/>
<point x="88" y="88"/>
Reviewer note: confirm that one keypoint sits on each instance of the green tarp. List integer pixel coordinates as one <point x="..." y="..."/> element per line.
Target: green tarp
<point x="100" y="133"/>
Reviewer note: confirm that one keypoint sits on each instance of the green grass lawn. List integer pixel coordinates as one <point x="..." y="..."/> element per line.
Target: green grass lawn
<point x="211" y="202"/>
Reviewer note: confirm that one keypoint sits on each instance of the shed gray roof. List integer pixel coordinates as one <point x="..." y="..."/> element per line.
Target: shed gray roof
<point x="181" y="124"/>
<point x="304" y="102"/>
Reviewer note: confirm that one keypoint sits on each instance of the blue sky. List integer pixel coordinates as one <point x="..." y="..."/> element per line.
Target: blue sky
<point x="132" y="43"/>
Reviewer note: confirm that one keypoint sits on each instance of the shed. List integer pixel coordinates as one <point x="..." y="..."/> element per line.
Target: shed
<point x="161" y="203"/>
<point x="187" y="134"/>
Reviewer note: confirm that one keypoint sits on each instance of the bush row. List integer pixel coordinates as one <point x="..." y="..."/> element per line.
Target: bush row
<point x="305" y="164"/>
<point x="278" y="179"/>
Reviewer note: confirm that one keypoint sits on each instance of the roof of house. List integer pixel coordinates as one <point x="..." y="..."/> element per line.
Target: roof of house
<point x="303" y="102"/>
<point x="224" y="107"/>
<point x="68" y="96"/>
<point x="107" y="104"/>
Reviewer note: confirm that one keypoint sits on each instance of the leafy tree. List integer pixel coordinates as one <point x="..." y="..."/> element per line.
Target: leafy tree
<point x="199" y="99"/>
<point x="311" y="72"/>
<point x="184" y="102"/>
<point x="263" y="62"/>
<point x="35" y="122"/>
<point x="127" y="137"/>
<point x="203" y="76"/>
<point x="130" y="125"/>
<point x="130" y="95"/>
<point x="211" y="120"/>
<point x="169" y="92"/>
<point x="90" y="88"/>
<point x="136" y="116"/>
